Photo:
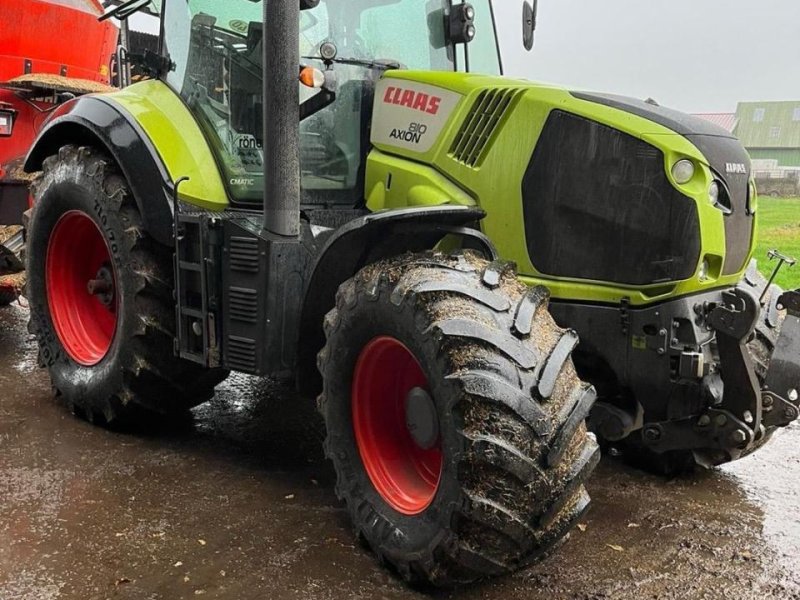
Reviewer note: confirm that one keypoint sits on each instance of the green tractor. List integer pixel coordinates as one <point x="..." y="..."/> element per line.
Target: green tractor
<point x="461" y="268"/>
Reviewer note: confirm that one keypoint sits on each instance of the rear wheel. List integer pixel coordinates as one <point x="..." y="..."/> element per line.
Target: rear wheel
<point x="100" y="294"/>
<point x="455" y="419"/>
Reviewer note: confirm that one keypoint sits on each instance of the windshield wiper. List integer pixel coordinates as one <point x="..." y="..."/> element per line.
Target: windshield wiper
<point x="381" y="65"/>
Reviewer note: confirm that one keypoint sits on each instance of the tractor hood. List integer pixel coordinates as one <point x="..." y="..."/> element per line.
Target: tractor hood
<point x="576" y="186"/>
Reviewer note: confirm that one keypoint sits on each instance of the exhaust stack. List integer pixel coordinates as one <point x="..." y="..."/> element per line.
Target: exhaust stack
<point x="281" y="117"/>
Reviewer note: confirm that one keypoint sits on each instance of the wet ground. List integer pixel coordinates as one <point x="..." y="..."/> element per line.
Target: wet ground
<point x="232" y="507"/>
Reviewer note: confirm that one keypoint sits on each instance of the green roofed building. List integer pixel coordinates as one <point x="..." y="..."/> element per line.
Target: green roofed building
<point x="771" y="133"/>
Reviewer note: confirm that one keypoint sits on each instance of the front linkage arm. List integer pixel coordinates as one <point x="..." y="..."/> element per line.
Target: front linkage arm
<point x="734" y="320"/>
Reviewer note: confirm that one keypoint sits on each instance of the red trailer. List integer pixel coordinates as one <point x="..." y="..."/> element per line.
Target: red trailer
<point x="50" y="51"/>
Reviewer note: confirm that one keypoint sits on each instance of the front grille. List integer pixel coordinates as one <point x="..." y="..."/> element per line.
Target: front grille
<point x="598" y="206"/>
<point x="472" y="141"/>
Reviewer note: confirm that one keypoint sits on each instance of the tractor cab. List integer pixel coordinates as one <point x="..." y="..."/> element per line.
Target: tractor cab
<point x="216" y="53"/>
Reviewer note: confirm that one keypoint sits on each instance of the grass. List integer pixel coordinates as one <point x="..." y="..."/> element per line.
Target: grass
<point x="779" y="229"/>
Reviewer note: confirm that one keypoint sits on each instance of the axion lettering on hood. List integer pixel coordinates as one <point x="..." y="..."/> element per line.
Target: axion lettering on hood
<point x="410" y="115"/>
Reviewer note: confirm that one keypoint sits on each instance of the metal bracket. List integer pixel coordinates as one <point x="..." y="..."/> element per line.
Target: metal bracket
<point x="783" y="376"/>
<point x="736" y="316"/>
<point x="625" y="315"/>
<point x="716" y="429"/>
<point x="734" y="321"/>
<point x="778" y="412"/>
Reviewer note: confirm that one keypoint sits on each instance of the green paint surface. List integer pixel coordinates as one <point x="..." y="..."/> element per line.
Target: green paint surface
<point x="178" y="140"/>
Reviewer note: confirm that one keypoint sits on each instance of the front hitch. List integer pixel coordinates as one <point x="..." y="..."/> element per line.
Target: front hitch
<point x="740" y="410"/>
<point x="732" y="421"/>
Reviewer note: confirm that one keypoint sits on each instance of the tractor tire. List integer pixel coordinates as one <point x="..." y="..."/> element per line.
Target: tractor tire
<point x="109" y="351"/>
<point x="455" y="419"/>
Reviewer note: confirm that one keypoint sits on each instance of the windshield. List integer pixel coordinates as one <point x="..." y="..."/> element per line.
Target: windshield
<point x="216" y="47"/>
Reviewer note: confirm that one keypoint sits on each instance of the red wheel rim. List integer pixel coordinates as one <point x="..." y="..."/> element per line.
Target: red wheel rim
<point x="404" y="474"/>
<point x="77" y="254"/>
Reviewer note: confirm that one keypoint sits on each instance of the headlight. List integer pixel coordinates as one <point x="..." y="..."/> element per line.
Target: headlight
<point x="683" y="171"/>
<point x="713" y="193"/>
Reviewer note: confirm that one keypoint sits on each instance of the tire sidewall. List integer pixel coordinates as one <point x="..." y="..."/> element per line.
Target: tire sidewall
<point x="71" y="187"/>
<point x="398" y="532"/>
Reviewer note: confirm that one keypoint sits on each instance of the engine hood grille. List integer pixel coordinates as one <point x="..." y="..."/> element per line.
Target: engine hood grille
<point x="598" y="206"/>
<point x="724" y="153"/>
<point x="472" y="142"/>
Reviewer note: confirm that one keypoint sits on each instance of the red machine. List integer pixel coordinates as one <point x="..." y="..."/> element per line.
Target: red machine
<point x="50" y="52"/>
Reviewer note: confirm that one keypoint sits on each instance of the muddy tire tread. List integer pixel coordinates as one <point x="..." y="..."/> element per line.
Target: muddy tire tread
<point x="491" y="534"/>
<point x="154" y="380"/>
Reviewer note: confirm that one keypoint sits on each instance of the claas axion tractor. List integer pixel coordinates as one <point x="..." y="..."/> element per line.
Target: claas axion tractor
<point x="461" y="268"/>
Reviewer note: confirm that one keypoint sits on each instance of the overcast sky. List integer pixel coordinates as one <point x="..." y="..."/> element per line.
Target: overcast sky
<point x="693" y="55"/>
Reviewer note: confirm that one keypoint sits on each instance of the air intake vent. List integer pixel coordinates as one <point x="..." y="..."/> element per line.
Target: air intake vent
<point x="473" y="138"/>
<point x="241" y="354"/>
<point x="244" y="254"/>
<point x="243" y="304"/>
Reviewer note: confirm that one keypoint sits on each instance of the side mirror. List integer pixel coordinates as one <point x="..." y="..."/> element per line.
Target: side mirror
<point x="307" y="4"/>
<point x="529" y="14"/>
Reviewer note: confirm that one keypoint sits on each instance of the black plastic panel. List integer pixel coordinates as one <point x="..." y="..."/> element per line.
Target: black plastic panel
<point x="723" y="153"/>
<point x="721" y="149"/>
<point x="671" y="119"/>
<point x="598" y="205"/>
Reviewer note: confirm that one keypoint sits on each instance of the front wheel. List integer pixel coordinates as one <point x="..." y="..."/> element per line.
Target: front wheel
<point x="455" y="419"/>
<point x="100" y="294"/>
